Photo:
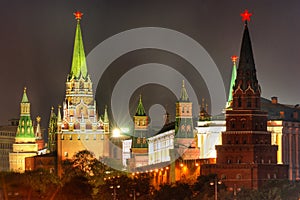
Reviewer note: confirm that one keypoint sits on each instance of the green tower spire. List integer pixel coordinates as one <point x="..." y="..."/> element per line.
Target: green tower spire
<point x="25" y="128"/>
<point x="232" y="81"/>
<point x="183" y="94"/>
<point x="24" y="98"/>
<point x="105" y="117"/>
<point x="79" y="67"/>
<point x="140" y="111"/>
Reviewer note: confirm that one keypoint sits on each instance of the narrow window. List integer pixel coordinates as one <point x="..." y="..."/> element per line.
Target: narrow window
<point x="249" y="101"/>
<point x="239" y="101"/>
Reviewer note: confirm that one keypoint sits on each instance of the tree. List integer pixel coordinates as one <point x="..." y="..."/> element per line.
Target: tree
<point x="84" y="164"/>
<point x="77" y="188"/>
<point x="204" y="190"/>
<point x="177" y="191"/>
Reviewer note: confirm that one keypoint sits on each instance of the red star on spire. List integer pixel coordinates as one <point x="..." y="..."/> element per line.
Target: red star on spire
<point x="78" y="15"/>
<point x="246" y="15"/>
<point x="234" y="58"/>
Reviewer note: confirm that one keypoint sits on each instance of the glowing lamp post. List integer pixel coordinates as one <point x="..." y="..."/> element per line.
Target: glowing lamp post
<point x="116" y="133"/>
<point x="115" y="187"/>
<point x="216" y="183"/>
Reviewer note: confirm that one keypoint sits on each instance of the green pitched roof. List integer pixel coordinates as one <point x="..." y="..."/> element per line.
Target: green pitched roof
<point x="24" y="98"/>
<point x="183" y="94"/>
<point x="79" y="67"/>
<point x="25" y="128"/>
<point x="140" y="111"/>
<point x="232" y="81"/>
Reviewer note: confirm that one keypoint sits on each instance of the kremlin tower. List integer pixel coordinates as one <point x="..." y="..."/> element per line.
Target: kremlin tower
<point x="184" y="127"/>
<point x="232" y="81"/>
<point x="79" y="127"/>
<point x="246" y="157"/>
<point x="25" y="141"/>
<point x="139" y="146"/>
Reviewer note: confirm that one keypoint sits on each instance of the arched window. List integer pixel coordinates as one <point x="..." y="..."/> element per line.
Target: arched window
<point x="249" y="101"/>
<point x="239" y="101"/>
<point x="243" y="123"/>
<point x="223" y="176"/>
<point x="188" y="128"/>
<point x="232" y="124"/>
<point x="238" y="176"/>
<point x="182" y="128"/>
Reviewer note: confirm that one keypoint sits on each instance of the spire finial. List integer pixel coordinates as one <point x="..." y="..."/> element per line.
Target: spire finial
<point x="78" y="15"/>
<point x="234" y="59"/>
<point x="183" y="95"/>
<point x="246" y="16"/>
<point x="24" y="98"/>
<point x="140" y="111"/>
<point x="38" y="119"/>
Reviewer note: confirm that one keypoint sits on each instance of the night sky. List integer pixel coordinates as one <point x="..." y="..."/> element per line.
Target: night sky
<point x="37" y="43"/>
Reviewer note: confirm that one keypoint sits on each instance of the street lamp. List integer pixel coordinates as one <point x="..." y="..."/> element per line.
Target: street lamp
<point x="135" y="194"/>
<point x="235" y="191"/>
<point x="216" y="183"/>
<point x="115" y="187"/>
<point x="116" y="133"/>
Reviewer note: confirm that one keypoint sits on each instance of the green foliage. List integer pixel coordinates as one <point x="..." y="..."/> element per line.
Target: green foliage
<point x="77" y="188"/>
<point x="85" y="165"/>
<point x="177" y="191"/>
<point x="30" y="185"/>
<point x="41" y="180"/>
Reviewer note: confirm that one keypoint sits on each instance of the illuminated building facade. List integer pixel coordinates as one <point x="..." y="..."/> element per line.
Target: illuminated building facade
<point x="7" y="138"/>
<point x="80" y="128"/>
<point x="173" y="155"/>
<point x="284" y="124"/>
<point x="160" y="145"/>
<point x="25" y="141"/>
<point x="246" y="157"/>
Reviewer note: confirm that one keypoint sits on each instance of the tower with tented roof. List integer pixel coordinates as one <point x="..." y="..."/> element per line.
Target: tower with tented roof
<point x="139" y="145"/>
<point x="25" y="141"/>
<point x="80" y="127"/>
<point x="246" y="158"/>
